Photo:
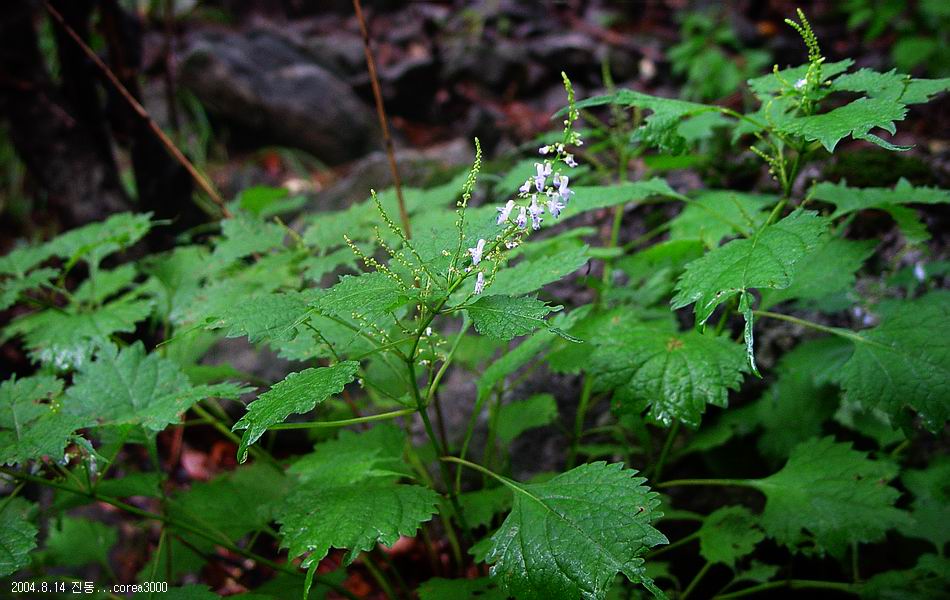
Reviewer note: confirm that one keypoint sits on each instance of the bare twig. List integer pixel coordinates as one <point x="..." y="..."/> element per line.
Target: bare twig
<point x="381" y="113"/>
<point x="202" y="182"/>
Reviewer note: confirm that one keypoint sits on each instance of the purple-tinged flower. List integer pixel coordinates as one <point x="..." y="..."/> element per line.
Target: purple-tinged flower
<point x="569" y="160"/>
<point x="562" y="189"/>
<point x="543" y="171"/>
<point x="544" y="149"/>
<point x="536" y="211"/>
<point x="522" y="220"/>
<point x="555" y="207"/>
<point x="479" y="282"/>
<point x="525" y="187"/>
<point x="476" y="252"/>
<point x="505" y="211"/>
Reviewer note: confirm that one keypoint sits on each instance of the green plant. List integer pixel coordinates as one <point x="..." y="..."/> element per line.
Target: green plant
<point x="920" y="29"/>
<point x="118" y="360"/>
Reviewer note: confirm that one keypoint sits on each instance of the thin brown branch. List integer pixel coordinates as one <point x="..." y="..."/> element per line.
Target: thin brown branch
<point x="202" y="182"/>
<point x="381" y="113"/>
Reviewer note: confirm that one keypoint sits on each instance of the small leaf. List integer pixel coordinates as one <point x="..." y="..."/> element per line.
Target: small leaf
<point x="728" y="534"/>
<point x="570" y="536"/>
<point x="31" y="423"/>
<point x="244" y="235"/>
<point x="367" y="295"/>
<point x="12" y="288"/>
<point x="931" y="505"/>
<point x="832" y="492"/>
<point x="481" y="506"/>
<point x="517" y="417"/>
<point x="17" y="535"/>
<point x="297" y="393"/>
<point x="506" y="317"/>
<point x="353" y="457"/>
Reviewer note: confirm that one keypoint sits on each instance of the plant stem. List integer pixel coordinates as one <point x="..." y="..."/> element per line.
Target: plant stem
<point x="847" y="334"/>
<point x="794" y="584"/>
<point x="672" y="546"/>
<point x="670" y="437"/>
<point x="345" y="422"/>
<point x="682" y="482"/>
<point x="170" y="521"/>
<point x="476" y="467"/>
<point x="383" y="121"/>
<point x="258" y="452"/>
<point x="379" y="576"/>
<point x="692" y="584"/>
<point x="582" y="406"/>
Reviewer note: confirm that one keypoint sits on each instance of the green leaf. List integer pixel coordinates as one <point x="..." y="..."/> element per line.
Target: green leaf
<point x="652" y="272"/>
<point x="104" y="283"/>
<point x="856" y="119"/>
<point x="482" y="588"/>
<point x="95" y="241"/>
<point x="506" y="317"/>
<point x="517" y="417"/>
<point x="67" y="339"/>
<point x="130" y="387"/>
<point x="905" y="361"/>
<point x="20" y="260"/>
<point x="716" y="214"/>
<point x="297" y="393"/>
<point x="930" y="508"/>
<point x="587" y="198"/>
<point x="531" y="275"/>
<point x="316" y="517"/>
<point x="829" y="495"/>
<point x="775" y="83"/>
<point x="368" y="294"/>
<point x="919" y="91"/>
<point x="268" y="317"/>
<point x="569" y="537"/>
<point x="929" y="579"/>
<point x="11" y="288"/>
<point x="75" y="541"/>
<point x="673" y="374"/>
<point x="17" y="535"/>
<point x="353" y="457"/>
<point x="848" y="199"/>
<point x="828" y="271"/>
<point x="244" y="235"/>
<point x="766" y="260"/>
<point x="481" y="506"/>
<point x="889" y="86"/>
<point x="31" y="423"/>
<point x="728" y="534"/>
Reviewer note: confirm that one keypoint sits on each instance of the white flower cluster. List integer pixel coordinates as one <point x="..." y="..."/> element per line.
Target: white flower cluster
<point x="545" y="189"/>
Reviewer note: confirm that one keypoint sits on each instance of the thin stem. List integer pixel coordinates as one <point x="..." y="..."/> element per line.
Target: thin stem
<point x="476" y="467"/>
<point x="381" y="114"/>
<point x="378" y="575"/>
<point x="672" y="546"/>
<point x="847" y="334"/>
<point x="794" y="584"/>
<point x="582" y="407"/>
<point x="258" y="453"/>
<point x="682" y="482"/>
<point x="670" y="438"/>
<point x="345" y="422"/>
<point x="692" y="584"/>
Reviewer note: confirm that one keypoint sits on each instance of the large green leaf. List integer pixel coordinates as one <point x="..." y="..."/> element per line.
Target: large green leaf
<point x="568" y="537"/>
<point x="828" y="496"/>
<point x="905" y="361"/>
<point x="717" y="214"/>
<point x="377" y="453"/>
<point x="856" y="119"/>
<point x="365" y="295"/>
<point x="31" y="423"/>
<point x="931" y="505"/>
<point x="482" y="588"/>
<point x="672" y="374"/>
<point x="297" y="393"/>
<point x="17" y="535"/>
<point x="243" y="235"/>
<point x="12" y="287"/>
<point x="130" y="387"/>
<point x="829" y="270"/>
<point x="507" y="317"/>
<point x="316" y="517"/>
<point x="267" y="317"/>
<point x="848" y="199"/>
<point x="531" y="275"/>
<point x="728" y="534"/>
<point x="95" y="241"/>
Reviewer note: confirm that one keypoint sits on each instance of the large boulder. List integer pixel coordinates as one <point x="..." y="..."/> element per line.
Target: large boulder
<point x="267" y="83"/>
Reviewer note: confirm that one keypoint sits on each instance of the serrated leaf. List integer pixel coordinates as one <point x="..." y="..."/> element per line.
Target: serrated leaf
<point x="773" y="83"/>
<point x="930" y="508"/>
<point x="716" y="214"/>
<point x="244" y="235"/>
<point x="905" y="361"/>
<point x="353" y="457"/>
<point x="315" y="517"/>
<point x="368" y="294"/>
<point x="919" y="91"/>
<point x="728" y="534"/>
<point x="531" y="275"/>
<point x="507" y="317"/>
<point x="929" y="579"/>
<point x="517" y="417"/>
<point x="272" y="318"/>
<point x="31" y="422"/>
<point x="889" y="86"/>
<point x="11" y="288"/>
<point x="297" y="393"/>
<point x="104" y="283"/>
<point x="481" y="506"/>
<point x="76" y="541"/>
<point x="673" y="375"/>
<point x="17" y="535"/>
<point x="482" y="588"/>
<point x="131" y="387"/>
<point x="95" y="241"/>
<point x="569" y="537"/>
<point x="856" y="119"/>
<point x="832" y="492"/>
<point x="593" y="197"/>
<point x="848" y="199"/>
<point x="766" y="260"/>
<point x="827" y="271"/>
<point x="67" y="339"/>
<point x="19" y="261"/>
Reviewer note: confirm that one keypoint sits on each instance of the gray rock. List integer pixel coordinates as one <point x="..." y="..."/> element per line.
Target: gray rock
<point x="268" y="84"/>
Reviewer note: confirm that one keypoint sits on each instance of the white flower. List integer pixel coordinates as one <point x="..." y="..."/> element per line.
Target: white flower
<point x="522" y="220"/>
<point x="479" y="282"/>
<point x="919" y="273"/>
<point x="569" y="160"/>
<point x="562" y="189"/>
<point x="505" y="211"/>
<point x="800" y="83"/>
<point x="476" y="252"/>
<point x="511" y="244"/>
<point x="544" y="149"/>
<point x="555" y="207"/>
<point x="525" y="187"/>
<point x="536" y="211"/>
<point x="543" y="171"/>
